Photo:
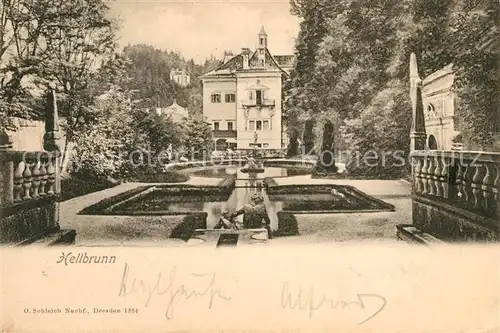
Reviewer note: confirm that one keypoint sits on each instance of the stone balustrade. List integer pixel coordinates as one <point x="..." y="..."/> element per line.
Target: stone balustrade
<point x="466" y="182"/>
<point x="34" y="175"/>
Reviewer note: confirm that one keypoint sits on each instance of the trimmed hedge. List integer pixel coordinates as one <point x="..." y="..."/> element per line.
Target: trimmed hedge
<point x="196" y="164"/>
<point x="148" y="175"/>
<point x="99" y="207"/>
<point x="76" y="186"/>
<point x="290" y="163"/>
<point x="287" y="225"/>
<point x="189" y="224"/>
<point x="273" y="188"/>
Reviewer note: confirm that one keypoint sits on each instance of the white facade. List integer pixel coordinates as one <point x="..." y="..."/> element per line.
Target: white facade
<point x="180" y="77"/>
<point x="177" y="112"/>
<point x="242" y="99"/>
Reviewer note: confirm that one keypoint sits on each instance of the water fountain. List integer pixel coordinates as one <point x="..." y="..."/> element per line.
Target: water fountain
<point x="253" y="166"/>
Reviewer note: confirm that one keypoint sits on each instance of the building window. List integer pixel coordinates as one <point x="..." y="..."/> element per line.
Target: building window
<point x="215" y="98"/>
<point x="259" y="125"/>
<point x="258" y="97"/>
<point x="230" y="98"/>
<point x="251" y="125"/>
<point x="265" y="125"/>
<point x="251" y="95"/>
<point x="216" y="125"/>
<point x="265" y="145"/>
<point x="229" y="125"/>
<point x="262" y="41"/>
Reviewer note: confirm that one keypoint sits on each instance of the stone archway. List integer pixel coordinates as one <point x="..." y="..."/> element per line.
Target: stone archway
<point x="432" y="143"/>
<point x="221" y="144"/>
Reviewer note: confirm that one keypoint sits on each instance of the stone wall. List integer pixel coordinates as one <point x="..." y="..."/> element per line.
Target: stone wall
<point x="439" y="109"/>
<point x="29" y="135"/>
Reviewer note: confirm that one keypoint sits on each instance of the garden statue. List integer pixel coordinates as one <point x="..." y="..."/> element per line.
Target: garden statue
<point x="252" y="166"/>
<point x="255" y="214"/>
<point x="170" y="150"/>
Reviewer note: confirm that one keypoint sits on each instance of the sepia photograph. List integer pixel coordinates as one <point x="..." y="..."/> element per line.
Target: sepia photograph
<point x="266" y="139"/>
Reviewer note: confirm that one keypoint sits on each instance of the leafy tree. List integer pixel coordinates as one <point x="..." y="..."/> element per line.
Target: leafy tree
<point x="160" y="131"/>
<point x="149" y="70"/>
<point x="352" y="69"/>
<point x="474" y="29"/>
<point x="195" y="106"/>
<point x="375" y="147"/>
<point x="40" y="43"/>
<point x="104" y="148"/>
<point x="197" y="137"/>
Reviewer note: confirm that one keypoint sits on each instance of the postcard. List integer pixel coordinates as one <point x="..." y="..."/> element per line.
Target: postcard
<point x="287" y="165"/>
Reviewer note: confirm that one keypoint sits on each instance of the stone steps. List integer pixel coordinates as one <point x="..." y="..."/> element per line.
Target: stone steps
<point x="411" y="234"/>
<point x="60" y="237"/>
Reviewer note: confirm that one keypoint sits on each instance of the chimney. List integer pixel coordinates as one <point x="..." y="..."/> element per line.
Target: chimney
<point x="245" y="52"/>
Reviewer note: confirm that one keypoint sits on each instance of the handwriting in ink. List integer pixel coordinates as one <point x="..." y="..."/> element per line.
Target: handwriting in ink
<point x="309" y="301"/>
<point x="172" y="291"/>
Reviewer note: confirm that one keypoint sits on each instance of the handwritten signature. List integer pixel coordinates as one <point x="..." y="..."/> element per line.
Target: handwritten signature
<point x="311" y="302"/>
<point x="174" y="293"/>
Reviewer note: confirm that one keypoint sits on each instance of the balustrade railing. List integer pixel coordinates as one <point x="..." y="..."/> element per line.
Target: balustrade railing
<point x="466" y="180"/>
<point x="34" y="175"/>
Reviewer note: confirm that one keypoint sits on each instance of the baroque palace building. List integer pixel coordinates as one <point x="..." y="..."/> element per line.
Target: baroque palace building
<point x="242" y="98"/>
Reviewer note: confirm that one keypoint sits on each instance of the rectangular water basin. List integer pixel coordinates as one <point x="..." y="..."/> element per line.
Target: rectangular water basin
<point x="344" y="199"/>
<point x="158" y="201"/>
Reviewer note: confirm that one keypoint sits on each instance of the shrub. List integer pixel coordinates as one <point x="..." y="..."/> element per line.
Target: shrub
<point x="81" y="183"/>
<point x="189" y="224"/>
<point x="155" y="175"/>
<point x="287" y="225"/>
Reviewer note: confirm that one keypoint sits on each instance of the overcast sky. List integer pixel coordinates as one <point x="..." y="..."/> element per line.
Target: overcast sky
<point x="197" y="29"/>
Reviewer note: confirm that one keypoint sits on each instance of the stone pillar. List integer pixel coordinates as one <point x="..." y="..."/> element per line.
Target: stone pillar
<point x="417" y="136"/>
<point x="6" y="172"/>
<point x="50" y="140"/>
<point x="52" y="135"/>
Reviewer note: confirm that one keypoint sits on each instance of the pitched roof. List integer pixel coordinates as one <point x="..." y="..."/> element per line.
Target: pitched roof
<point x="262" y="31"/>
<point x="235" y="64"/>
